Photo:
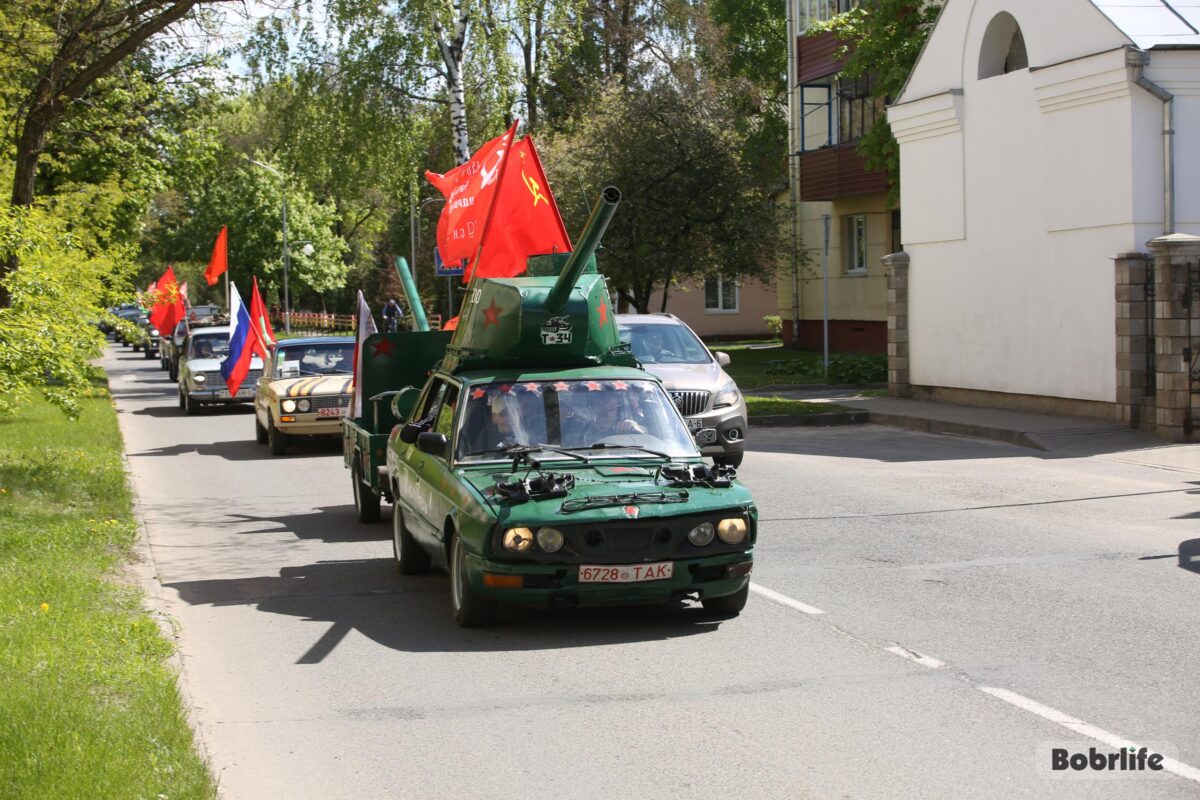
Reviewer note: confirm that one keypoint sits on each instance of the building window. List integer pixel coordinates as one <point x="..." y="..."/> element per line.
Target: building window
<point x="814" y="11"/>
<point x="856" y="244"/>
<point x="836" y="110"/>
<point x="720" y="296"/>
<point x="857" y="110"/>
<point x="816" y="114"/>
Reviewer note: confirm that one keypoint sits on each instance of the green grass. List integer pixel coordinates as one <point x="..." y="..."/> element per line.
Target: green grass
<point x="751" y="368"/>
<point x="87" y="707"/>
<point x="761" y="406"/>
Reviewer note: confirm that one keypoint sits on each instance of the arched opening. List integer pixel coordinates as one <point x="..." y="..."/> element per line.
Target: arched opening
<point x="1003" y="49"/>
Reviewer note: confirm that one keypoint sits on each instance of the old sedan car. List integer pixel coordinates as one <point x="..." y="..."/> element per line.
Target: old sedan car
<point x="304" y="390"/>
<point x="693" y="376"/>
<point x="200" y="379"/>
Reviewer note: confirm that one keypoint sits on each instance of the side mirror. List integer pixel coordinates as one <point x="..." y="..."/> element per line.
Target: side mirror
<point x="410" y="431"/>
<point x="435" y="444"/>
<point x="404" y="401"/>
<point x="722" y="358"/>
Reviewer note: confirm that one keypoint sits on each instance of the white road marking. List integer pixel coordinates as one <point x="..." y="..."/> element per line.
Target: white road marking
<point x="1084" y="729"/>
<point x="913" y="655"/>
<point x="784" y="600"/>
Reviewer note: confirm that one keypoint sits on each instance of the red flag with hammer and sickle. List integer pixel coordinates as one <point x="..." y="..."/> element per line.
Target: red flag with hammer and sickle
<point x="525" y="220"/>
<point x="168" y="305"/>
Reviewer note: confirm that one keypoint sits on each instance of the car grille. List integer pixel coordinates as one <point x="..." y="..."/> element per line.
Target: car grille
<point x="690" y="403"/>
<point x="218" y="380"/>
<point x="330" y="401"/>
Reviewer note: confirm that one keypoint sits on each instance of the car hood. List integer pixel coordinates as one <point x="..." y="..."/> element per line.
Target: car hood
<point x="310" y="385"/>
<point x="611" y="488"/>
<point x="214" y="364"/>
<point x="684" y="377"/>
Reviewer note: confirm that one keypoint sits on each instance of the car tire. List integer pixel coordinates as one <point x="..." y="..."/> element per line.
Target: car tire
<point x="173" y="372"/>
<point x="728" y="605"/>
<point x="147" y="353"/>
<point x="260" y="433"/>
<point x="410" y="558"/>
<point x="734" y="460"/>
<point x="366" y="501"/>
<point x="470" y="610"/>
<point x="190" y="406"/>
<point x="277" y="439"/>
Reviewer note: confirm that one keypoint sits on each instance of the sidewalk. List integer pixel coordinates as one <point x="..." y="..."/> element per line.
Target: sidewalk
<point x="1054" y="435"/>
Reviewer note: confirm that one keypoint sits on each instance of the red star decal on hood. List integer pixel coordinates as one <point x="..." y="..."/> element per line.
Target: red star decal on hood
<point x="383" y="347"/>
<point x="491" y="314"/>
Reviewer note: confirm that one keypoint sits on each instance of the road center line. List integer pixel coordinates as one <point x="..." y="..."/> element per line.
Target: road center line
<point x="913" y="655"/>
<point x="784" y="600"/>
<point x="1084" y="729"/>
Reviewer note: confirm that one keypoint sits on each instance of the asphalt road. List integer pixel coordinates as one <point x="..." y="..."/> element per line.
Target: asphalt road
<point x="945" y="611"/>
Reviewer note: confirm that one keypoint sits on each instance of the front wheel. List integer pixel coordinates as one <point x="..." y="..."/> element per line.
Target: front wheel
<point x="729" y="605"/>
<point x="470" y="610"/>
<point x="260" y="433"/>
<point x="410" y="558"/>
<point x="190" y="406"/>
<point x="277" y="439"/>
<point x="366" y="501"/>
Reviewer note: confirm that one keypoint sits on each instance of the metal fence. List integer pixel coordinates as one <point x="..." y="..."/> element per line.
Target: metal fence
<point x="319" y="324"/>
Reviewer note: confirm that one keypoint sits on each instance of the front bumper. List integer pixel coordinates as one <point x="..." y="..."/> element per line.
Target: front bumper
<point x="215" y="396"/>
<point x="556" y="585"/>
<point x="309" y="424"/>
<point x="731" y="426"/>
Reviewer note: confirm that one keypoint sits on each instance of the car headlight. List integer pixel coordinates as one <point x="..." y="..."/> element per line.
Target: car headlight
<point x="701" y="535"/>
<point x="200" y="377"/>
<point x="732" y="531"/>
<point x="154" y="331"/>
<point x="550" y="539"/>
<point x="303" y="405"/>
<point x="726" y="396"/>
<point x="289" y="406"/>
<point x="518" y="539"/>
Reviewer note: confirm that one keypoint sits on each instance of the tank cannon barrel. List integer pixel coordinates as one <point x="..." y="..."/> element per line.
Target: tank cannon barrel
<point x="414" y="299"/>
<point x="589" y="240"/>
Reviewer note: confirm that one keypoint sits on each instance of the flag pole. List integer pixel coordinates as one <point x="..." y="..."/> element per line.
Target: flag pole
<point x="474" y="265"/>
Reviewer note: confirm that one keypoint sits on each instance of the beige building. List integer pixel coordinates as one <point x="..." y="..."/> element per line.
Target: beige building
<point x="722" y="309"/>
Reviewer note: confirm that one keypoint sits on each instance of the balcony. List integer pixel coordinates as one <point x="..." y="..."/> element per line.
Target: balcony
<point x="838" y="171"/>
<point x="816" y="56"/>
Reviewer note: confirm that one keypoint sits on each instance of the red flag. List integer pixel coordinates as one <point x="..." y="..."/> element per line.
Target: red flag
<point x="450" y="324"/>
<point x="468" y="189"/>
<point x="220" y="257"/>
<point x="261" y="321"/>
<point x="168" y="306"/>
<point x="524" y="220"/>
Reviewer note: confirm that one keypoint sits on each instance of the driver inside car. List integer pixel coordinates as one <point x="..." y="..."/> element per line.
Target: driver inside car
<point x="610" y="417"/>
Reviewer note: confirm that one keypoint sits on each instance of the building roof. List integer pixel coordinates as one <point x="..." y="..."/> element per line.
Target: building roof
<point x="1155" y="23"/>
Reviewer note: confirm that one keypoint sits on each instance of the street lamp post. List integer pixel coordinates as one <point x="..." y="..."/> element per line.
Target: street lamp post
<point x="415" y="238"/>
<point x="287" y="305"/>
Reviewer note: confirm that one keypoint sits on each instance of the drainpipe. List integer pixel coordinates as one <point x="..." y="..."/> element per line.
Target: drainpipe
<point x="793" y="167"/>
<point x="1138" y="59"/>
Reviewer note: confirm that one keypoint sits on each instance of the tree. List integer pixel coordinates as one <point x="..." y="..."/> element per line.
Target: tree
<point x="883" y="39"/>
<point x="691" y="207"/>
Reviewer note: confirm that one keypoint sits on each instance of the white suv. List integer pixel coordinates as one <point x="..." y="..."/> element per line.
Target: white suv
<point x="693" y="376"/>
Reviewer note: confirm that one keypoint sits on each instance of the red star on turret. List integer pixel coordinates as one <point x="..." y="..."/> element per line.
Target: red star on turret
<point x="603" y="312"/>
<point x="383" y="347"/>
<point x="491" y="314"/>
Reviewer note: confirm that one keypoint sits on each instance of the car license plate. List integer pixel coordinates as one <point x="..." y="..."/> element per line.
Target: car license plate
<point x="329" y="412"/>
<point x="631" y="573"/>
<point x="694" y="424"/>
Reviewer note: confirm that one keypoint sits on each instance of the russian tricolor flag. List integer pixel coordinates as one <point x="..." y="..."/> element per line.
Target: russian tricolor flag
<point x="243" y="339"/>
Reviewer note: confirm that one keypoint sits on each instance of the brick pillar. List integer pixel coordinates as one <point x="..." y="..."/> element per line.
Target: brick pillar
<point x="896" y="266"/>
<point x="1174" y="256"/>
<point x="1133" y="336"/>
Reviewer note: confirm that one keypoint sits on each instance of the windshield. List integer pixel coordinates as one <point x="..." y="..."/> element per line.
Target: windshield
<point x="211" y="345"/>
<point x="664" y="344"/>
<point x="334" y="358"/>
<point x="592" y="416"/>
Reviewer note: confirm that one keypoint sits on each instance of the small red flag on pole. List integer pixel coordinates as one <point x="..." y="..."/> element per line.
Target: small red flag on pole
<point x="220" y="257"/>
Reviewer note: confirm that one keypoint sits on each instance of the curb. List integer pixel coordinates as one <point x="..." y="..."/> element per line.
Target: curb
<point x="923" y="424"/>
<point x="795" y="387"/>
<point x="810" y="420"/>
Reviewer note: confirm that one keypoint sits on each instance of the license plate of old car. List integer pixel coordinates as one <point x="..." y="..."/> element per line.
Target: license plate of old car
<point x="626" y="573"/>
<point x="329" y="412"/>
<point x="694" y="424"/>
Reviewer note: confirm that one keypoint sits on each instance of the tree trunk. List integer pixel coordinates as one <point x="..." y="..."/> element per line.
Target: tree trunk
<point x="452" y="57"/>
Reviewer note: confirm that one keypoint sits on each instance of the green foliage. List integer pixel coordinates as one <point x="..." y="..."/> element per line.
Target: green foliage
<point x="883" y="39"/>
<point x="691" y="207"/>
<point x="849" y="368"/>
<point x="90" y="709"/>
<point x="774" y="324"/>
<point x="48" y="334"/>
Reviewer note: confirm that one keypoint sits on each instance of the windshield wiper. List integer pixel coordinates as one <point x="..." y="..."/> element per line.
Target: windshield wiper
<point x="599" y="501"/>
<point x="615" y="446"/>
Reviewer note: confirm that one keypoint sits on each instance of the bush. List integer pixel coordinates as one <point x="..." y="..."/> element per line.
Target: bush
<point x="774" y="324"/>
<point x="850" y="368"/>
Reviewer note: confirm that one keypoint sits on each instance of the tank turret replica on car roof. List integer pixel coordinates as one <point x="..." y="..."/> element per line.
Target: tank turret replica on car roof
<point x="540" y="465"/>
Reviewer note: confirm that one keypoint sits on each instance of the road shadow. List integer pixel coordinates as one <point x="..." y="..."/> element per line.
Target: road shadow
<point x="326" y="523"/>
<point x="1189" y="555"/>
<point x="412" y="613"/>
<point x="247" y="449"/>
<point x="173" y="410"/>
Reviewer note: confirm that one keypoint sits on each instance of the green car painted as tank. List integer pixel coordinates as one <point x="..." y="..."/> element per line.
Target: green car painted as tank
<point x="573" y="487"/>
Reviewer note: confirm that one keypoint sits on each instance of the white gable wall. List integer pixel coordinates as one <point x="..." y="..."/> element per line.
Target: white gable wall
<point x="1018" y="190"/>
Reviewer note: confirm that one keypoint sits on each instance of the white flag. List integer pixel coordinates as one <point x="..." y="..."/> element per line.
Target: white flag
<point x="366" y="326"/>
